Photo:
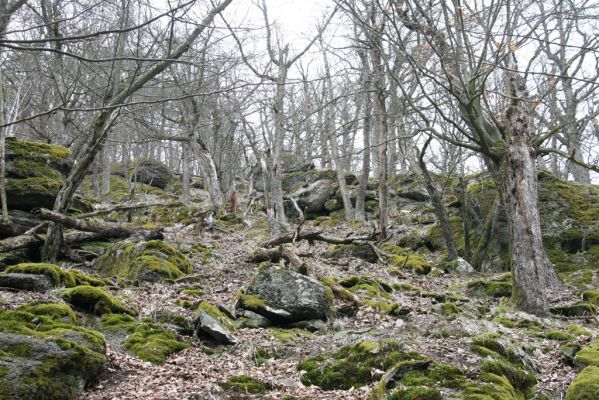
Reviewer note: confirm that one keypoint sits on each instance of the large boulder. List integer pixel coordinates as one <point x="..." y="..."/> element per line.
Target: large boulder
<point x="34" y="173"/>
<point x="285" y="296"/>
<point x="292" y="164"/>
<point x="45" y="358"/>
<point x="151" y="261"/>
<point x="314" y="197"/>
<point x="212" y="322"/>
<point x="153" y="173"/>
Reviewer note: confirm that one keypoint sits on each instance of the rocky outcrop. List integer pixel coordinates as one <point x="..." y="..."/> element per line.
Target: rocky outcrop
<point x="285" y="297"/>
<point x="34" y="173"/>
<point x="151" y="261"/>
<point x="44" y="358"/>
<point x="148" y="171"/>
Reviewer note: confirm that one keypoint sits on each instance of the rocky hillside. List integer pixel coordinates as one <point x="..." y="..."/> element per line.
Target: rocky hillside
<point x="326" y="314"/>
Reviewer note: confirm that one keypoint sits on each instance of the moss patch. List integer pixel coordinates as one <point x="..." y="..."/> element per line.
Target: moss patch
<point x="498" y="287"/>
<point x="588" y="355"/>
<point x="153" y="343"/>
<point x="405" y="259"/>
<point x="361" y="251"/>
<point x="94" y="299"/>
<point x="245" y="384"/>
<point x="585" y="386"/>
<point x="55" y="311"/>
<point x="351" y="366"/>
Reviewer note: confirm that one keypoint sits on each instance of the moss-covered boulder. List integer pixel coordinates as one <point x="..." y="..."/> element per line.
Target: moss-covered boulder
<point x="42" y="358"/>
<point x="405" y="259"/>
<point x="57" y="275"/>
<point x="94" y="299"/>
<point x="358" y="250"/>
<point x="28" y="282"/>
<point x="150" y="261"/>
<point x="497" y="287"/>
<point x="285" y="296"/>
<point x="580" y="309"/>
<point x="150" y="172"/>
<point x="154" y="343"/>
<point x="588" y="355"/>
<point x="55" y="311"/>
<point x="373" y="292"/>
<point x="585" y="386"/>
<point x="351" y="366"/>
<point x="34" y="173"/>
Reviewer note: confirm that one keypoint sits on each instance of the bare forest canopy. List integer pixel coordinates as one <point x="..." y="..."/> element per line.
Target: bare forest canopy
<point x="442" y="140"/>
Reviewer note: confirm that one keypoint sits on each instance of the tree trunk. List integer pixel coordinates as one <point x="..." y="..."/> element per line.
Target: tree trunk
<point x="105" y="171"/>
<point x="276" y="198"/>
<point x="185" y="174"/>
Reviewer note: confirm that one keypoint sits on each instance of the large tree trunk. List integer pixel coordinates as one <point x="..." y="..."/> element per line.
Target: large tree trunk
<point x="532" y="272"/>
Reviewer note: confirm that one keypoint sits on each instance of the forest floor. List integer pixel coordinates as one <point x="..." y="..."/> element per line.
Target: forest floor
<point x="195" y="373"/>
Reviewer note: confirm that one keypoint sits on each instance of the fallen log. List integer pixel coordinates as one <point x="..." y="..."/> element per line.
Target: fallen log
<point x="32" y="241"/>
<point x="314" y="236"/>
<point x="106" y="230"/>
<point x="125" y="208"/>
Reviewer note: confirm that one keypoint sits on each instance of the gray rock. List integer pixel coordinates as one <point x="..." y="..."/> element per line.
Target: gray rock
<point x="314" y="197"/>
<point x="250" y="319"/>
<point x="463" y="267"/>
<point x="213" y="323"/>
<point x="287" y="296"/>
<point x="153" y="173"/>
<point x="56" y="367"/>
<point x="29" y="282"/>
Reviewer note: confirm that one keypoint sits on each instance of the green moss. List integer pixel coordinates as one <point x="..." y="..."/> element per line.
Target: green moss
<point x="519" y="378"/>
<point x="147" y="261"/>
<point x="352" y="365"/>
<point x="492" y="387"/>
<point x="215" y="313"/>
<point x="406" y="259"/>
<point x="490" y="288"/>
<point x="362" y="251"/>
<point x="430" y="374"/>
<point x="575" y="310"/>
<point x="450" y="309"/>
<point x="57" y="275"/>
<point x="404" y="286"/>
<point x="491" y="345"/>
<point x="36" y="151"/>
<point x="588" y="355"/>
<point x="417" y="393"/>
<point x="251" y="302"/>
<point x="591" y="296"/>
<point x="55" y="311"/>
<point x="585" y="386"/>
<point x="153" y="343"/>
<point x="261" y="354"/>
<point x="577" y="330"/>
<point x="192" y="292"/>
<point x="555" y="334"/>
<point x="118" y="322"/>
<point x="94" y="299"/>
<point x="245" y="384"/>
<point x="203" y="252"/>
<point x="289" y="336"/>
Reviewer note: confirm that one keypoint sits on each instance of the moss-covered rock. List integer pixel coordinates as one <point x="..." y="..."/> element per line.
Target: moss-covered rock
<point x="405" y="259"/>
<point x="362" y="251"/>
<point x="498" y="287"/>
<point x="491" y="387"/>
<point x="580" y="309"/>
<point x="591" y="296"/>
<point x="56" y="311"/>
<point x="416" y="393"/>
<point x="588" y="355"/>
<point x="351" y="366"/>
<point x="285" y="297"/>
<point x="58" y="276"/>
<point x="94" y="299"/>
<point x="150" y="261"/>
<point x="45" y="358"/>
<point x="212" y="322"/>
<point x="585" y="386"/>
<point x="521" y="379"/>
<point x="450" y="309"/>
<point x="154" y="343"/>
<point x="245" y="384"/>
<point x="34" y="173"/>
